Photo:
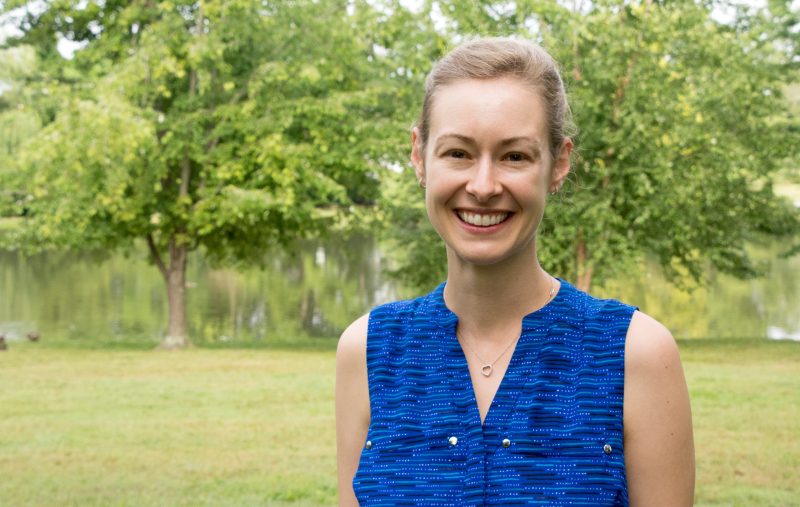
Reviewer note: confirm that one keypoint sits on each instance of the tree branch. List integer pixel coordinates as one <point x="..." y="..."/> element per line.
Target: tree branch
<point x="186" y="164"/>
<point x="156" y="256"/>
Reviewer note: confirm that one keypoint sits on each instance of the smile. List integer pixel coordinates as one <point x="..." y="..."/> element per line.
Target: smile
<point x="482" y="219"/>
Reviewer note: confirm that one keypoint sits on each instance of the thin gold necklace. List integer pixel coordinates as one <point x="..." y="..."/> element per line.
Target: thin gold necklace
<point x="488" y="367"/>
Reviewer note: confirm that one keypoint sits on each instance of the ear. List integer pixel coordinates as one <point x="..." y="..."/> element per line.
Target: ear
<point x="561" y="166"/>
<point x="417" y="155"/>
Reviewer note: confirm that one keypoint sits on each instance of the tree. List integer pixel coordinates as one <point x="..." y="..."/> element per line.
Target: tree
<point x="231" y="127"/>
<point x="683" y="128"/>
<point x="17" y="123"/>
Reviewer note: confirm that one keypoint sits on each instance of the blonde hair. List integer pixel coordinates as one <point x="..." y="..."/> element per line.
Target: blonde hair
<point x="496" y="57"/>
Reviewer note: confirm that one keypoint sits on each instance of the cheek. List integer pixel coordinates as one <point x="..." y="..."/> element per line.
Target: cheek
<point x="438" y="194"/>
<point x="434" y="198"/>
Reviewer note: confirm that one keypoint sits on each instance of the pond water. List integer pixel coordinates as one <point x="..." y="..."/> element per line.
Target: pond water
<point x="309" y="296"/>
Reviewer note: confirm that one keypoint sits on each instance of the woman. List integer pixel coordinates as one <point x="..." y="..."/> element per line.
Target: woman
<point x="505" y="385"/>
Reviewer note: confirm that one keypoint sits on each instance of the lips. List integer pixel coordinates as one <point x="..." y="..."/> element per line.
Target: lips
<point x="483" y="219"/>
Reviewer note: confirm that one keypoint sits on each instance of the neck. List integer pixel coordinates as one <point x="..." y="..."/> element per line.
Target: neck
<point x="490" y="301"/>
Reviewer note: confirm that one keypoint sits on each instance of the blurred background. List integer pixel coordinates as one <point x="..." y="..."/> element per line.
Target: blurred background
<point x="231" y="180"/>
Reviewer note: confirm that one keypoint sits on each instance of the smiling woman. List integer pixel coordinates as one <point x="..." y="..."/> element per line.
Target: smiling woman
<point x="506" y="385"/>
<point x="484" y="163"/>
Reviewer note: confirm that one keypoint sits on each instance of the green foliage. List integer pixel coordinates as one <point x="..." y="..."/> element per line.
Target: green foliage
<point x="683" y="128"/>
<point x="237" y="126"/>
<point x="17" y="123"/>
<point x="414" y="245"/>
<point x="231" y="126"/>
<point x="90" y="176"/>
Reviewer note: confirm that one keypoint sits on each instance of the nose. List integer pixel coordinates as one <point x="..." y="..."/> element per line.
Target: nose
<point x="483" y="183"/>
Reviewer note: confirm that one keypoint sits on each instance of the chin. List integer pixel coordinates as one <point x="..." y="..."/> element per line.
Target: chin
<point x="478" y="258"/>
<point x="491" y="255"/>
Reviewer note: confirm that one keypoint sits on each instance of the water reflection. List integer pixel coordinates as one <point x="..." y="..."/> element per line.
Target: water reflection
<point x="310" y="295"/>
<point x="766" y="307"/>
<point x="313" y="292"/>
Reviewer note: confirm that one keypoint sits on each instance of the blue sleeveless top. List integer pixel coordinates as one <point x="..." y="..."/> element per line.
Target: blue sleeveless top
<point x="552" y="435"/>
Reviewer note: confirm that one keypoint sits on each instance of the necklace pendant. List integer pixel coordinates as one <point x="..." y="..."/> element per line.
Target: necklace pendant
<point x="486" y="369"/>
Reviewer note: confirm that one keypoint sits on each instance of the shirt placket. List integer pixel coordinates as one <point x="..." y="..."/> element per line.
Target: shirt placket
<point x="467" y="437"/>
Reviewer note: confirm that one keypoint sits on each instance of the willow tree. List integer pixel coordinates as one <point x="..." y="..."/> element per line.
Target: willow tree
<point x="683" y="128"/>
<point x="231" y="127"/>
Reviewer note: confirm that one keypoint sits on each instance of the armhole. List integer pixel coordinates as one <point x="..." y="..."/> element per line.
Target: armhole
<point x="370" y="352"/>
<point x="622" y="496"/>
<point x="631" y="311"/>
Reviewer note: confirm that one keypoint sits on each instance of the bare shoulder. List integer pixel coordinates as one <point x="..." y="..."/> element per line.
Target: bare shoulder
<point x="653" y="369"/>
<point x="351" y="363"/>
<point x="659" y="448"/>
<point x="649" y="347"/>
<point x="353" y="342"/>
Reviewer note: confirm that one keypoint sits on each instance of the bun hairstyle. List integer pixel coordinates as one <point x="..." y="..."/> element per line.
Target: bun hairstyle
<point x="497" y="57"/>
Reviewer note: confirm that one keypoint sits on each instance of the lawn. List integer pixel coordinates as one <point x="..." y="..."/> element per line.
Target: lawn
<point x="255" y="427"/>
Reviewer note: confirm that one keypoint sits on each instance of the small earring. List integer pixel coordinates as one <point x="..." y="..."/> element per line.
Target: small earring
<point x="421" y="182"/>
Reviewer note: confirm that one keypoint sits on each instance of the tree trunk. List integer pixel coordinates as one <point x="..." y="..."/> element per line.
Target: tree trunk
<point x="177" y="336"/>
<point x="584" y="267"/>
<point x="175" y="278"/>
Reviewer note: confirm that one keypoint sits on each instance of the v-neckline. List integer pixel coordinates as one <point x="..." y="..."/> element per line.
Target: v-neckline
<point x="503" y="380"/>
<point x="522" y="356"/>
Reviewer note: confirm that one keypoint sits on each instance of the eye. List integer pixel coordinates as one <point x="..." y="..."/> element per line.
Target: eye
<point x="515" y="157"/>
<point x="456" y="154"/>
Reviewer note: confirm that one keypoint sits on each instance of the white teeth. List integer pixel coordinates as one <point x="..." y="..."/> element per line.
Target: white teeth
<point x="482" y="220"/>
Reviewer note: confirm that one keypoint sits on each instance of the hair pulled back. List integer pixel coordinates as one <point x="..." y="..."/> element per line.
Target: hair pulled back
<point x="496" y="57"/>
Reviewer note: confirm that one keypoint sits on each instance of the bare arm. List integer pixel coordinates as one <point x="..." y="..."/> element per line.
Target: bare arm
<point x="352" y="406"/>
<point x="659" y="447"/>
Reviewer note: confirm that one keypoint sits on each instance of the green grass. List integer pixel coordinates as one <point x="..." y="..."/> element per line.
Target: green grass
<point x="746" y="409"/>
<point x="190" y="428"/>
<point x="256" y="427"/>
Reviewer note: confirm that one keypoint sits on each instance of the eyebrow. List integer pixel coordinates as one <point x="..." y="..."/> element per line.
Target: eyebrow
<point x="505" y="142"/>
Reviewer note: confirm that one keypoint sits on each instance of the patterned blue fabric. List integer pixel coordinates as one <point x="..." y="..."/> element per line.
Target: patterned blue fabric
<point x="559" y="406"/>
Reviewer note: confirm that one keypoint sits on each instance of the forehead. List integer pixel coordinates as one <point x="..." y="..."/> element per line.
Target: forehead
<point x="488" y="110"/>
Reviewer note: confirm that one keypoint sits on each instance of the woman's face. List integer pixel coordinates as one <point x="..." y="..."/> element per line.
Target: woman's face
<point x="487" y="168"/>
